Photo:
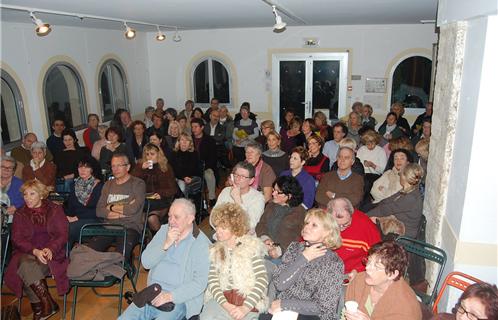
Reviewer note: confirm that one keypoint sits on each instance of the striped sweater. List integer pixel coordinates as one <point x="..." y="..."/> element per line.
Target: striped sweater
<point x="241" y="268"/>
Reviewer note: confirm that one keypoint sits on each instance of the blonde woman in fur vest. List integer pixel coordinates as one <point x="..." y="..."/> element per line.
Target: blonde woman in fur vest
<point x="237" y="282"/>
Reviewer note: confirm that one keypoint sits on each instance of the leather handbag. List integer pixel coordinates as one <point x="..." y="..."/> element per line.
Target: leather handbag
<point x="235" y="298"/>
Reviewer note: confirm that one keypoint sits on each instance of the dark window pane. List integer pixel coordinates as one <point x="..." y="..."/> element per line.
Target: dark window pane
<point x="11" y="126"/>
<point x="106" y="97"/>
<point x="326" y="86"/>
<point x="412" y="82"/>
<point x="64" y="97"/>
<point x="221" y="83"/>
<point x="201" y="83"/>
<point x="292" y="86"/>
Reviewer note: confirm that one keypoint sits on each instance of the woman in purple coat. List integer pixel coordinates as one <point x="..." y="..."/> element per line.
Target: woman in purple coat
<point x="39" y="237"/>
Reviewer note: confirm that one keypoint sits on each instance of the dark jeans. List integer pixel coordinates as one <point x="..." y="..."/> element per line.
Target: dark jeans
<point x="102" y="243"/>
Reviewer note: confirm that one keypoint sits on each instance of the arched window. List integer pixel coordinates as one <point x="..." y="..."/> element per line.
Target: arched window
<point x="113" y="89"/>
<point x="211" y="79"/>
<point x="411" y="82"/>
<point x="13" y="120"/>
<point x="64" y="96"/>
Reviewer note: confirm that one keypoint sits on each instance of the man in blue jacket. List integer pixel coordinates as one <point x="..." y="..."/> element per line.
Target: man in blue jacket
<point x="178" y="259"/>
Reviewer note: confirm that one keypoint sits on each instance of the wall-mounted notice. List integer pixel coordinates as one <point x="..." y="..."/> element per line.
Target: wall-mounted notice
<point x="375" y="85"/>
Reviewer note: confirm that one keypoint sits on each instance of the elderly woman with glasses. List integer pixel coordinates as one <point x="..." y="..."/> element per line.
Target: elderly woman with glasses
<point x="309" y="279"/>
<point x="381" y="292"/>
<point x="39" y="168"/>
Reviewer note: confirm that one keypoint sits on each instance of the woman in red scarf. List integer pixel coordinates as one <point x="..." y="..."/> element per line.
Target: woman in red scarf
<point x="39" y="237"/>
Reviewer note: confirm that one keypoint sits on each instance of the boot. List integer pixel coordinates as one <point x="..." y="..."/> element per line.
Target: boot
<point x="37" y="309"/>
<point x="48" y="306"/>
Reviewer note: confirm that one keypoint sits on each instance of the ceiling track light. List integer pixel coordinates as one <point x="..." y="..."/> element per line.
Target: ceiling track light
<point x="279" y="24"/>
<point x="130" y="33"/>
<point x="160" y="36"/>
<point x="42" y="29"/>
<point x="177" y="37"/>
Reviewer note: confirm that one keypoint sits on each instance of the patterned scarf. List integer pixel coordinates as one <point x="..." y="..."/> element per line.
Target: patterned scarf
<point x="39" y="215"/>
<point x="83" y="189"/>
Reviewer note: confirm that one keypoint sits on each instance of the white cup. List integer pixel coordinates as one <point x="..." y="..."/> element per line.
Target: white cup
<point x="351" y="306"/>
<point x="151" y="164"/>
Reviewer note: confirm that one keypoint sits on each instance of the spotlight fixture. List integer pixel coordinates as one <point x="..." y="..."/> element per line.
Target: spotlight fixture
<point x="160" y="36"/>
<point x="279" y="24"/>
<point x="130" y="33"/>
<point x="177" y="37"/>
<point x="42" y="29"/>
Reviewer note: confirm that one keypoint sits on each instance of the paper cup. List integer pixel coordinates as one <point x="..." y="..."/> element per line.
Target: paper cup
<point x="351" y="306"/>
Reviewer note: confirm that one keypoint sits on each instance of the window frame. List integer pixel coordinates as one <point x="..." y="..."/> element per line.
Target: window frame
<point x="408" y="111"/>
<point x="81" y="93"/>
<point x="107" y="65"/>
<point x="11" y="82"/>
<point x="210" y="59"/>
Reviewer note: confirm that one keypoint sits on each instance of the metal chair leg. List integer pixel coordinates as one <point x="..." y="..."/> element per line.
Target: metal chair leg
<point x="75" y="296"/>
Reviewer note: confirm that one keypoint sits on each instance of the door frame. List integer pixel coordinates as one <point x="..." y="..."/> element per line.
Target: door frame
<point x="309" y="57"/>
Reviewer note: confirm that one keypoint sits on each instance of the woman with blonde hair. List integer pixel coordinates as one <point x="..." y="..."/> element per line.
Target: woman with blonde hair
<point x="185" y="161"/>
<point x="174" y="131"/>
<point x="322" y="126"/>
<point x="277" y="159"/>
<point x="160" y="183"/>
<point x="309" y="279"/>
<point x="39" y="237"/>
<point x="267" y="126"/>
<point x="237" y="281"/>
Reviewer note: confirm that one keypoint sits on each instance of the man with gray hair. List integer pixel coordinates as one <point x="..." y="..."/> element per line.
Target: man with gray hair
<point x="22" y="153"/>
<point x="178" y="259"/>
<point x="358" y="234"/>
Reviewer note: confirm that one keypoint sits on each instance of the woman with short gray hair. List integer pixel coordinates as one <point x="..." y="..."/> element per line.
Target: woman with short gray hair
<point x="39" y="168"/>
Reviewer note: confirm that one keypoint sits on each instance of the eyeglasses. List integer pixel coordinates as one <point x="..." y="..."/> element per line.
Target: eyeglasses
<point x="279" y="192"/>
<point x="115" y="166"/>
<point x="236" y="176"/>
<point x="7" y="168"/>
<point x="369" y="263"/>
<point x="469" y="315"/>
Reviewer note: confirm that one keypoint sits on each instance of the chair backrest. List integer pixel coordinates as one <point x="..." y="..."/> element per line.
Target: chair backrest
<point x="103" y="230"/>
<point x="457" y="280"/>
<point x="428" y="252"/>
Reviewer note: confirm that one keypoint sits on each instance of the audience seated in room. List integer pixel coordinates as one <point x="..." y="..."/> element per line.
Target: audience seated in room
<point x="381" y="291"/>
<point x="91" y="133"/>
<point x="160" y="183"/>
<point x="121" y="201"/>
<point x="283" y="218"/>
<point x="83" y="197"/>
<point x="67" y="160"/>
<point x="241" y="193"/>
<point x="182" y="249"/>
<point x="39" y="167"/>
<point x="22" y="153"/>
<point x="237" y="282"/>
<point x="341" y="183"/>
<point x="339" y="132"/>
<point x="297" y="160"/>
<point x="263" y="173"/>
<point x="137" y="140"/>
<point x="309" y="279"/>
<point x="358" y="234"/>
<point x="206" y="147"/>
<point x="245" y="131"/>
<point x="39" y="237"/>
<point x="185" y="161"/>
<point x="277" y="159"/>
<point x="317" y="163"/>
<point x="478" y="301"/>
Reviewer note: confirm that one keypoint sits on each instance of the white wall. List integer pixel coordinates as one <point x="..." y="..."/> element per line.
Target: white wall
<point x="373" y="50"/>
<point x="27" y="55"/>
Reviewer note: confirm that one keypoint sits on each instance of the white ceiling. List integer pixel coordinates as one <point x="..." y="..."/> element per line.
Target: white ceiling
<point x="211" y="14"/>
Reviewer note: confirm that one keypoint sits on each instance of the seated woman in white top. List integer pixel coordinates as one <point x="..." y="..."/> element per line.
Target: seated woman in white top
<point x="241" y="193"/>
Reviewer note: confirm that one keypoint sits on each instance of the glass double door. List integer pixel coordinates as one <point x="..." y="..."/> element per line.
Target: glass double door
<point x="307" y="83"/>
